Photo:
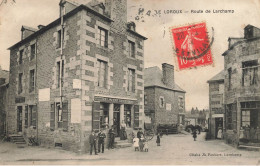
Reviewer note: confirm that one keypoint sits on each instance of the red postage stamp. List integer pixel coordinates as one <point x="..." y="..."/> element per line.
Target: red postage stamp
<point x="192" y="45"/>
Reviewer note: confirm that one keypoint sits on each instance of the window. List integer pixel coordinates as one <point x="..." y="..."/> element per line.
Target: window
<point x="250" y="73"/>
<point x="33" y="52"/>
<point x="161" y="102"/>
<point x="229" y="117"/>
<point x="229" y="78"/>
<point x="131" y="47"/>
<point x="59" y="115"/>
<point x="145" y="99"/>
<point x="102" y="37"/>
<point x="245" y="118"/>
<point x="214" y="87"/>
<point x="30" y="116"/>
<point x="131" y="80"/>
<point x="20" y="83"/>
<point x="21" y="57"/>
<point x="26" y="117"/>
<point x="59" y="39"/>
<point x="181" y="103"/>
<point x="32" y="81"/>
<point x="102" y="70"/>
<point x="60" y="77"/>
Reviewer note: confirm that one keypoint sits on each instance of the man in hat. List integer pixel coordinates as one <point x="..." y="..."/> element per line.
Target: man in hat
<point x="92" y="142"/>
<point x="101" y="140"/>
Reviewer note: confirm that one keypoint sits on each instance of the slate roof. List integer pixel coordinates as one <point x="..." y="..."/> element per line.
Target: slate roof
<point x="219" y="77"/>
<point x="153" y="77"/>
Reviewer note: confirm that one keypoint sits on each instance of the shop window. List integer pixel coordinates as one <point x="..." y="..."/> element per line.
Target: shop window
<point x="250" y="73"/>
<point x="102" y="37"/>
<point x="131" y="80"/>
<point x="127" y="115"/>
<point x="245" y="118"/>
<point x="32" y="81"/>
<point x="60" y="74"/>
<point x="131" y="48"/>
<point x="161" y="100"/>
<point x="20" y="83"/>
<point x="33" y="51"/>
<point x="104" y="115"/>
<point x="21" y="56"/>
<point x="229" y="78"/>
<point x="102" y="73"/>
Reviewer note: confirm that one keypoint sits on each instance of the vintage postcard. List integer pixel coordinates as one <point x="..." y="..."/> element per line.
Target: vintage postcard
<point x="129" y="82"/>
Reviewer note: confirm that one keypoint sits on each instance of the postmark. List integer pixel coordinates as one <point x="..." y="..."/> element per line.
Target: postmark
<point x="192" y="45"/>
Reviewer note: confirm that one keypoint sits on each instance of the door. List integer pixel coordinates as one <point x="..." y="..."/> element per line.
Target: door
<point x="19" y="119"/>
<point x="116" y="119"/>
<point x="219" y="124"/>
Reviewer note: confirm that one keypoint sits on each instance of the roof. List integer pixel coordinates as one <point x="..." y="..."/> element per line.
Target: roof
<point x="57" y="21"/>
<point x="153" y="78"/>
<point x="29" y="28"/>
<point x="218" y="77"/>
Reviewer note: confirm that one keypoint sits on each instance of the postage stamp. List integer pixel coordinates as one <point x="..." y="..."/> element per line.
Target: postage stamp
<point x="192" y="45"/>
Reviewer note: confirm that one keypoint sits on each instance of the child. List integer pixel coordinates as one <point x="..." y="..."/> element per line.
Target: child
<point x="158" y="139"/>
<point x="136" y="143"/>
<point x="146" y="146"/>
<point x="141" y="144"/>
<point x="194" y="133"/>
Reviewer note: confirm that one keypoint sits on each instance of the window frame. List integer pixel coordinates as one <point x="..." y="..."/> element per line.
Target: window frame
<point x="33" y="53"/>
<point x="32" y="81"/>
<point x="58" y="72"/>
<point x="247" y="66"/>
<point x="131" y="80"/>
<point x="131" y="49"/>
<point x="105" y="64"/>
<point x="99" y="37"/>
<point x="229" y="78"/>
<point x="20" y="83"/>
<point x="21" y="52"/>
<point x="161" y="102"/>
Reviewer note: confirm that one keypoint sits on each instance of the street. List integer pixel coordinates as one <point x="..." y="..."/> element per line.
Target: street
<point x="174" y="149"/>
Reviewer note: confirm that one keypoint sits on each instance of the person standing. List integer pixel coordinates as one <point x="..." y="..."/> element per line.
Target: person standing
<point x="158" y="140"/>
<point x="92" y="142"/>
<point x="111" y="138"/>
<point x="136" y="143"/>
<point x="194" y="134"/>
<point x="101" y="140"/>
<point x="123" y="135"/>
<point x="139" y="133"/>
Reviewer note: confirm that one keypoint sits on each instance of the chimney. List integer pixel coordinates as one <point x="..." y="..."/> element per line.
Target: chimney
<point x="40" y="26"/>
<point x="117" y="10"/>
<point x="168" y="75"/>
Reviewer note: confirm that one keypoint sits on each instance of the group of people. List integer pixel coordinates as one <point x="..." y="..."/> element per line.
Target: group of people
<point x="139" y="143"/>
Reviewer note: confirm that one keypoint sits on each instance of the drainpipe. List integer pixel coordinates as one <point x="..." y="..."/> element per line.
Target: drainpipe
<point x="61" y="54"/>
<point x="36" y="88"/>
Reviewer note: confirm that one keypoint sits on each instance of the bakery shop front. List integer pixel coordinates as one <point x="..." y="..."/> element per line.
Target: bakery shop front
<point x="113" y="112"/>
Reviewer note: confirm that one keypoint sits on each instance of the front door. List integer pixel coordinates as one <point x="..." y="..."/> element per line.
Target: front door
<point x="218" y="124"/>
<point x="116" y="119"/>
<point x="19" y="119"/>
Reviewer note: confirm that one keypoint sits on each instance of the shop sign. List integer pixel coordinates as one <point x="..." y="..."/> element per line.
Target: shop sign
<point x="19" y="99"/>
<point x="114" y="100"/>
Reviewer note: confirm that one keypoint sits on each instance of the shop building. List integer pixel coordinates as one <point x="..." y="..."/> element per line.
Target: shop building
<point x="82" y="72"/>
<point x="216" y="105"/>
<point x="164" y="100"/>
<point x="242" y="88"/>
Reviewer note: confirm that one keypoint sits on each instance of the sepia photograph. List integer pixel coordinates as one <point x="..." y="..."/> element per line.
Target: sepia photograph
<point x="129" y="82"/>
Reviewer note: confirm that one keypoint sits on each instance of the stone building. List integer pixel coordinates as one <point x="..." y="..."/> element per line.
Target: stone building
<point x="4" y="86"/>
<point x="164" y="100"/>
<point x="242" y="88"/>
<point x="82" y="72"/>
<point x="216" y="105"/>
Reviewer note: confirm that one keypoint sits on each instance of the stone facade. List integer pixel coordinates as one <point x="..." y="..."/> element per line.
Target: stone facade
<point x="82" y="96"/>
<point x="4" y="87"/>
<point x="242" y="87"/>
<point x="216" y="105"/>
<point x="164" y="99"/>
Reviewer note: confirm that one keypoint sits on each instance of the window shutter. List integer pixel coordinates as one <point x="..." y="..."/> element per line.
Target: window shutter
<point x="52" y="117"/>
<point x="96" y="116"/>
<point x="136" y="115"/>
<point x="34" y="114"/>
<point x="65" y="118"/>
<point x="26" y="117"/>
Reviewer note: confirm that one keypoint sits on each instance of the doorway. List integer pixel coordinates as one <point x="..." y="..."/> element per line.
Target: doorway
<point x="218" y="124"/>
<point x="116" y="119"/>
<point x="19" y="119"/>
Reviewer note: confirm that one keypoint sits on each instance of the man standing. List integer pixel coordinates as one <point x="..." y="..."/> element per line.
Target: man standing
<point x="92" y="142"/>
<point x="111" y="138"/>
<point x="101" y="140"/>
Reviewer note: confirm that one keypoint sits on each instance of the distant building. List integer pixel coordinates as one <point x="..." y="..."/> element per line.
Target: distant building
<point x="164" y="100"/>
<point x="78" y="74"/>
<point x="4" y="84"/>
<point x="216" y="105"/>
<point x="242" y="88"/>
<point x="197" y="117"/>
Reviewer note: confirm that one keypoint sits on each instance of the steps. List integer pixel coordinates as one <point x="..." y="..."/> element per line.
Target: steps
<point x="18" y="140"/>
<point x="122" y="143"/>
<point x="250" y="146"/>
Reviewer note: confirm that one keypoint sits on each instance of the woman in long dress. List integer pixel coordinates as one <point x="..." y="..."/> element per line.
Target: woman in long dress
<point x="219" y="136"/>
<point x="123" y="135"/>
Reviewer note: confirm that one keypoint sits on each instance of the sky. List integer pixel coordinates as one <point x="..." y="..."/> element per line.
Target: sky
<point x="158" y="48"/>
